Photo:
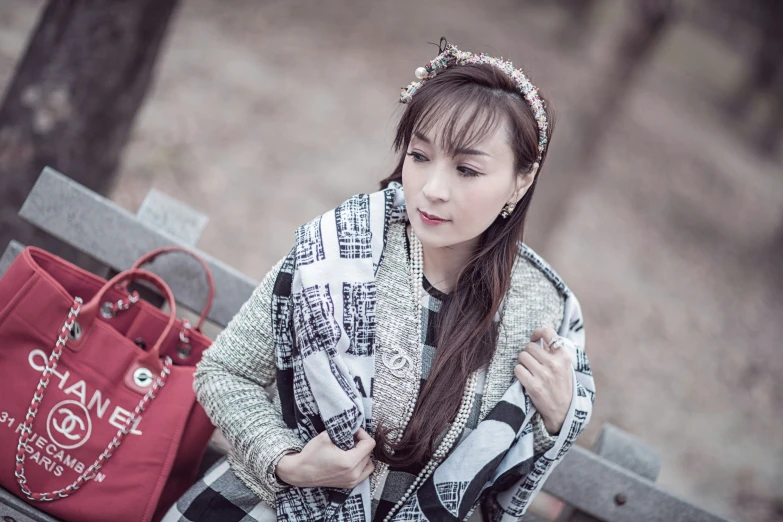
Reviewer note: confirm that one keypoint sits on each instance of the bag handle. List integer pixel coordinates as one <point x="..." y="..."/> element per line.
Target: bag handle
<point x="90" y="310"/>
<point x="51" y="364"/>
<point x="154" y="254"/>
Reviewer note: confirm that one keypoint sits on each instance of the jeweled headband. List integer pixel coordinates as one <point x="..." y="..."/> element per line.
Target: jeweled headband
<point x="450" y="56"/>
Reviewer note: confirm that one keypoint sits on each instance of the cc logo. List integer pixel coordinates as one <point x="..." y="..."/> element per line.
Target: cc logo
<point x="69" y="425"/>
<point x="397" y="362"/>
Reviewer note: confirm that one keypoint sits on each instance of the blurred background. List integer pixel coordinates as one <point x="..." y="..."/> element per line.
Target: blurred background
<point x="661" y="203"/>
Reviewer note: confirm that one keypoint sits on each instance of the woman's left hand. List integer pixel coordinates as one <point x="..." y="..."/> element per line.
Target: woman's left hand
<point x="546" y="375"/>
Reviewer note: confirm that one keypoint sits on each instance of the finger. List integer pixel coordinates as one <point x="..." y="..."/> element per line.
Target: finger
<point x="542" y="355"/>
<point x="548" y="337"/>
<point x="361" y="434"/>
<point x="530" y="363"/>
<point x="364" y="446"/>
<point x="547" y="334"/>
<point x="368" y="469"/>
<point x="323" y="438"/>
<point x="523" y="374"/>
<point x="362" y="463"/>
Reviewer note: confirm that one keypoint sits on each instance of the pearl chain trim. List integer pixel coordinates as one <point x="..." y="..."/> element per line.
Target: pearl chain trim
<point x="468" y="397"/>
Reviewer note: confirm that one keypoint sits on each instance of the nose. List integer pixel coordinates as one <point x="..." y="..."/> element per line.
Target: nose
<point x="437" y="186"/>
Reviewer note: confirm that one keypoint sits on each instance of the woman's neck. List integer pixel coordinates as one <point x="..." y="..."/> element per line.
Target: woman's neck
<point x="442" y="265"/>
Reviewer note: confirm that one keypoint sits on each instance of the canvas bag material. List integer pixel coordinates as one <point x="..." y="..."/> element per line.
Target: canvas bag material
<point x="92" y="392"/>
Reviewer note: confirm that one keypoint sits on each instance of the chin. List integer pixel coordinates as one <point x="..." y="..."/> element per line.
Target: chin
<point x="432" y="237"/>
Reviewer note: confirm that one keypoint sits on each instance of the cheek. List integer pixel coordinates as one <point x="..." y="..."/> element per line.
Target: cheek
<point x="412" y="179"/>
<point x="480" y="204"/>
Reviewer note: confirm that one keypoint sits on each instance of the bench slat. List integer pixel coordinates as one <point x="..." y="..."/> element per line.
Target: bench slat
<point x="20" y="511"/>
<point x="13" y="249"/>
<point x="115" y="237"/>
<point x="590" y="483"/>
<point x="173" y="216"/>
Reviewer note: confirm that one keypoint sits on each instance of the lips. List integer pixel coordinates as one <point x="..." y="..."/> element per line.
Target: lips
<point x="431" y="218"/>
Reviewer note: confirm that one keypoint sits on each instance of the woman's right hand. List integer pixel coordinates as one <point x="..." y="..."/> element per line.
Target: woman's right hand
<point x="322" y="464"/>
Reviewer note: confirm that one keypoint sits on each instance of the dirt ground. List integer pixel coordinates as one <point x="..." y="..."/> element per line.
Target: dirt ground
<point x="264" y="114"/>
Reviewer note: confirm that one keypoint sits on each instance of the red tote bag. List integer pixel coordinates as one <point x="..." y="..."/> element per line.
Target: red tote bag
<point x="98" y="418"/>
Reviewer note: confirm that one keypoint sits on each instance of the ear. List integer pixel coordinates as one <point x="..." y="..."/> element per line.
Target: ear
<point x="523" y="183"/>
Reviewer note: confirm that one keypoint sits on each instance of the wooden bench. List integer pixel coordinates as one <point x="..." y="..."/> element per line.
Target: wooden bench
<point x="614" y="482"/>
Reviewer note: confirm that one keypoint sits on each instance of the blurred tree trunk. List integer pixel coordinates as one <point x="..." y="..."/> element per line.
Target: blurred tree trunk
<point x="764" y="78"/>
<point x="767" y="74"/>
<point x="73" y="99"/>
<point x="765" y="59"/>
<point x="772" y="130"/>
<point x="572" y="170"/>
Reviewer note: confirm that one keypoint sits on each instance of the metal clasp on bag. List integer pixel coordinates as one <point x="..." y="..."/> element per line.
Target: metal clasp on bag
<point x="76" y="331"/>
<point x="142" y="377"/>
<point x="106" y="310"/>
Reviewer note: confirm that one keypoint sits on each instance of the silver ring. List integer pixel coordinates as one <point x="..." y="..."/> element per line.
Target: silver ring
<point x="556" y="343"/>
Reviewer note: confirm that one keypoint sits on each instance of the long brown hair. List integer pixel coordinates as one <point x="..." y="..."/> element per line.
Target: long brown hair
<point x="467" y="334"/>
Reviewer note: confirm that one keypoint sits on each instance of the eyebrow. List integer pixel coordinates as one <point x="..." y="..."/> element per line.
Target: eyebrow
<point x="471" y="152"/>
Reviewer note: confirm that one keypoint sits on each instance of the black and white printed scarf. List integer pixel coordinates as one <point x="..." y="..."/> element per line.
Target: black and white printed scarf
<point x="325" y="376"/>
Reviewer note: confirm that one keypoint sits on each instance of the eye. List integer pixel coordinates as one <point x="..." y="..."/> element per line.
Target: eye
<point x="468" y="172"/>
<point x="418" y="158"/>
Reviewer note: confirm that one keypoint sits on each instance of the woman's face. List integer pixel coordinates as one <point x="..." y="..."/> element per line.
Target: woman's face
<point x="452" y="200"/>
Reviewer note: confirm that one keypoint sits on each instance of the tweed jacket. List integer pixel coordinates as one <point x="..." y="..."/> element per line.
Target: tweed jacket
<point x="232" y="379"/>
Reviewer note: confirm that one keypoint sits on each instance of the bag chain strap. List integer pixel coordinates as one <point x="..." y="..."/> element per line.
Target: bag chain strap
<point x="133" y="298"/>
<point x="120" y="305"/>
<point x="92" y="471"/>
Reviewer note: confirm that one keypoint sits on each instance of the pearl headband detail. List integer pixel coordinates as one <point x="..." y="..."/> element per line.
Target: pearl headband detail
<point x="450" y="56"/>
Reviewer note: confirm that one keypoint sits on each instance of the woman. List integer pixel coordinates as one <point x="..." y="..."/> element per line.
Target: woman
<point x="428" y="364"/>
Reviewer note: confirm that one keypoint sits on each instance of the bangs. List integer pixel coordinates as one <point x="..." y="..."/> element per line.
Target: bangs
<point x="460" y="107"/>
<point x="460" y="118"/>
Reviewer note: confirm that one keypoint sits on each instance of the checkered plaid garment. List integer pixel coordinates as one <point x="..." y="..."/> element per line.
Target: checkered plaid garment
<point x="220" y="496"/>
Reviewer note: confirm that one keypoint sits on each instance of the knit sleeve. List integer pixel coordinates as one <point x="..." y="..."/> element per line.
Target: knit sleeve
<point x="542" y="440"/>
<point x="230" y="383"/>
